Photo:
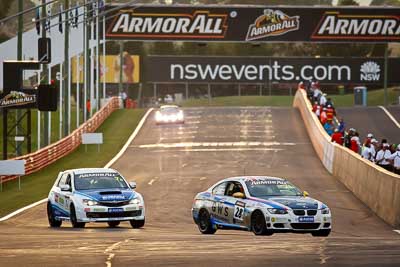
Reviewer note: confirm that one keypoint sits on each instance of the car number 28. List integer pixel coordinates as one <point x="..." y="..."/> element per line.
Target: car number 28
<point x="239" y="211"/>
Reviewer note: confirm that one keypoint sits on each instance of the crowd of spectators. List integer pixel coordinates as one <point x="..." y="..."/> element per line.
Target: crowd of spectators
<point x="381" y="152"/>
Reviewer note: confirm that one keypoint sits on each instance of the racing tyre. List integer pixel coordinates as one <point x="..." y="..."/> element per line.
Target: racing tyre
<point x="258" y="225"/>
<point x="137" y="223"/>
<point x="74" y="220"/>
<point x="204" y="223"/>
<point x="323" y="232"/>
<point x="50" y="216"/>
<point x="113" y="223"/>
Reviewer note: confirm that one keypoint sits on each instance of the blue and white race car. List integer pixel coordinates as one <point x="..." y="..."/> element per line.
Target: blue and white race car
<point x="264" y="205"/>
<point x="94" y="195"/>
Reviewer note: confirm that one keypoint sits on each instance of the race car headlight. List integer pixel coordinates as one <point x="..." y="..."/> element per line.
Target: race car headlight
<point x="134" y="201"/>
<point x="325" y="211"/>
<point x="277" y="211"/>
<point x="180" y="115"/>
<point x="89" y="202"/>
<point x="158" y="116"/>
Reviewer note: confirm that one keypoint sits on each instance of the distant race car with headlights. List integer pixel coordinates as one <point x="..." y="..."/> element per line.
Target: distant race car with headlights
<point x="264" y="205"/>
<point x="94" y="195"/>
<point x="169" y="114"/>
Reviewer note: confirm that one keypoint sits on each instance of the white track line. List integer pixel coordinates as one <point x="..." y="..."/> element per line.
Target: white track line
<point x="110" y="163"/>
<point x="397" y="231"/>
<point x="390" y="116"/>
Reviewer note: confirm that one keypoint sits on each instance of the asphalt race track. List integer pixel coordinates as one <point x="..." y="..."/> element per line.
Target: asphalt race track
<point x="171" y="164"/>
<point x="371" y="120"/>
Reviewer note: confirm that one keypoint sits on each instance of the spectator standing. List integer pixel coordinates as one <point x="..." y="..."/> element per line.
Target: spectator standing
<point x="382" y="156"/>
<point x="88" y="106"/>
<point x="124" y="97"/>
<point x="329" y="113"/>
<point x="395" y="157"/>
<point x="315" y="107"/>
<point x="348" y="136"/>
<point x="374" y="147"/>
<point x="318" y="111"/>
<point x="329" y="102"/>
<point x="322" y="100"/>
<point x="342" y="126"/>
<point x="317" y="91"/>
<point x="328" y="126"/>
<point x="337" y="137"/>
<point x="355" y="143"/>
<point x="366" y="152"/>
<point x="323" y="117"/>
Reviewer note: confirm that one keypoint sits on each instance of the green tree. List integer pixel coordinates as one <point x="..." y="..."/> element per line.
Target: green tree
<point x="347" y="3"/>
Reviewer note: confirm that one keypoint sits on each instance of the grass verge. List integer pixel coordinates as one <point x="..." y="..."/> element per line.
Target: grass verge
<point x="36" y="186"/>
<point x="375" y="98"/>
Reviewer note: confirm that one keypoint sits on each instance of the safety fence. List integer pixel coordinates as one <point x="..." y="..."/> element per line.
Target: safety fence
<point x="47" y="155"/>
<point x="374" y="186"/>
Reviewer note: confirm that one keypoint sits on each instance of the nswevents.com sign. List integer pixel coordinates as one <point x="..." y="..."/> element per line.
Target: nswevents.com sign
<point x="260" y="69"/>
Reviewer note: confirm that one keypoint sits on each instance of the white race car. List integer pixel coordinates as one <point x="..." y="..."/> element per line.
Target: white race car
<point x="264" y="205"/>
<point x="169" y="114"/>
<point x="94" y="195"/>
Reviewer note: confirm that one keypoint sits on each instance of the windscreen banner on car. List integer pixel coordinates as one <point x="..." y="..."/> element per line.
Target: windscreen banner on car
<point x="264" y="69"/>
<point x="253" y="23"/>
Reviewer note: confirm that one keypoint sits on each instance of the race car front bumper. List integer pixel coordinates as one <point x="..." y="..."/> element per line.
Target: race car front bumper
<point x="293" y="223"/>
<point x="106" y="214"/>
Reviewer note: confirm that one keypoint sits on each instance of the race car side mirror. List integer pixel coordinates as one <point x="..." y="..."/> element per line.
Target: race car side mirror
<point x="132" y="185"/>
<point x="65" y="187"/>
<point x="239" y="195"/>
<point x="305" y="194"/>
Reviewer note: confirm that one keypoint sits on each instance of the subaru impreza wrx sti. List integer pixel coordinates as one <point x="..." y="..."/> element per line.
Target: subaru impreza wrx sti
<point x="264" y="205"/>
<point x="94" y="195"/>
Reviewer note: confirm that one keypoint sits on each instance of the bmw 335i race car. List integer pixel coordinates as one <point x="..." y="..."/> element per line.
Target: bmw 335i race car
<point x="94" y="195"/>
<point x="264" y="205"/>
<point x="168" y="114"/>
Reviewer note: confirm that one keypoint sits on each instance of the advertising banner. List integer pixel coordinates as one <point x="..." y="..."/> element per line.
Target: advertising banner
<point x="21" y="99"/>
<point x="254" y="23"/>
<point x="131" y="69"/>
<point x="264" y="69"/>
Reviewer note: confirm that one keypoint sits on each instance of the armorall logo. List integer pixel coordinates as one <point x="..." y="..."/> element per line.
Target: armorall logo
<point x="200" y="24"/>
<point x="272" y="23"/>
<point x="334" y="25"/>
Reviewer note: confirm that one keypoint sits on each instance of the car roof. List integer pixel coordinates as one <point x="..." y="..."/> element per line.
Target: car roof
<point x="91" y="170"/>
<point x="244" y="178"/>
<point x="168" y="106"/>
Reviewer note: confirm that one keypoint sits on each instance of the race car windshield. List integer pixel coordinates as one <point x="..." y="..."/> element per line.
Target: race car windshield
<point x="169" y="110"/>
<point x="271" y="188"/>
<point x="95" y="181"/>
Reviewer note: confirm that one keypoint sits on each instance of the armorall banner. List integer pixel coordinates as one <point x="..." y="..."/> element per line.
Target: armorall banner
<point x="254" y="23"/>
<point x="205" y="69"/>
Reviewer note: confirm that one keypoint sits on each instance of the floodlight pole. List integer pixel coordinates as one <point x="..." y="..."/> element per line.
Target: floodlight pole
<point x="66" y="71"/>
<point x="44" y="77"/>
<point x="18" y="149"/>
<point x="385" y="77"/>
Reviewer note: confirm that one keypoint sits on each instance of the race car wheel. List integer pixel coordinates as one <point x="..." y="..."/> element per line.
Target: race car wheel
<point x="50" y="216"/>
<point x="137" y="223"/>
<point x="323" y="232"/>
<point x="204" y="223"/>
<point x="74" y="220"/>
<point x="113" y="223"/>
<point x="258" y="225"/>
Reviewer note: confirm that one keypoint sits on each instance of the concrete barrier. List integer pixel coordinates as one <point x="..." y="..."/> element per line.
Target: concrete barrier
<point x="373" y="185"/>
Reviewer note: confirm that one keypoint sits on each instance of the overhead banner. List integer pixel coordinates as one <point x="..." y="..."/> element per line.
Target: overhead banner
<point x="254" y="23"/>
<point x="263" y="69"/>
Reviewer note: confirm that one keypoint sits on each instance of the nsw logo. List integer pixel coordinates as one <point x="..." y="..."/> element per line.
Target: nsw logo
<point x="272" y="23"/>
<point x="370" y="71"/>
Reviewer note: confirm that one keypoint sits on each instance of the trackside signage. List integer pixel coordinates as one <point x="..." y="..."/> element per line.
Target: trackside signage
<point x="263" y="69"/>
<point x="253" y="23"/>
